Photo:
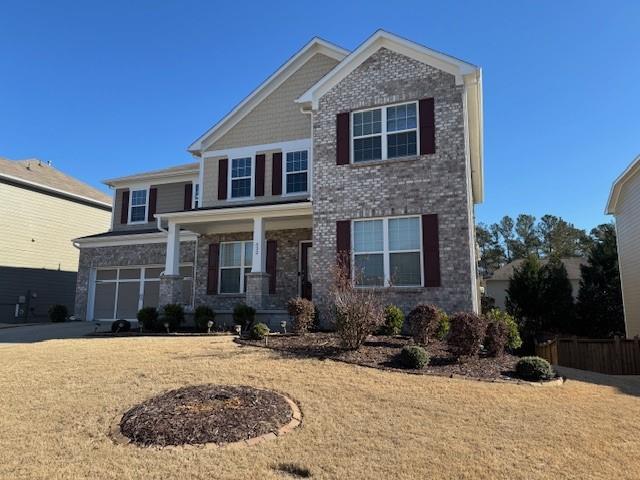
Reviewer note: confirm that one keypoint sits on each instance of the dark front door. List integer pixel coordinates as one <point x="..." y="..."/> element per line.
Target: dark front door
<point x="306" y="249"/>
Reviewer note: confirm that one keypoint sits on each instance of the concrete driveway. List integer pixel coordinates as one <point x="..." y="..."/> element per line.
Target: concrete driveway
<point x="45" y="331"/>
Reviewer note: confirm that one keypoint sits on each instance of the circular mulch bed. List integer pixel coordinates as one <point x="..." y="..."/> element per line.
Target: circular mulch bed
<point x="200" y="414"/>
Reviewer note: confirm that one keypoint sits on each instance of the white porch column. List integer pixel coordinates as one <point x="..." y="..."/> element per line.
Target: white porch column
<point x="259" y="246"/>
<point x="172" y="265"/>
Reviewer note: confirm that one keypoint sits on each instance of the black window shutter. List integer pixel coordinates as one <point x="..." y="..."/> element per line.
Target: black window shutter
<point x="276" y="174"/>
<point x="343" y="245"/>
<point x="188" y="196"/>
<point x="153" y="203"/>
<point x="124" y="212"/>
<point x="431" y="250"/>
<point x="223" y="169"/>
<point x="342" y="138"/>
<point x="212" y="269"/>
<point x="427" y="115"/>
<point x="260" y="160"/>
<point x="272" y="255"/>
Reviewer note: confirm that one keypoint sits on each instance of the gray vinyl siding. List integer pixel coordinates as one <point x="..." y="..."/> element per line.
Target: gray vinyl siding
<point x="170" y="199"/>
<point x="628" y="229"/>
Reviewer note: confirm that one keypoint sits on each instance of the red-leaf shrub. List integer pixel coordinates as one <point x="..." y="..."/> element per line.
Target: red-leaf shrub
<point x="303" y="312"/>
<point x="424" y="321"/>
<point x="466" y="333"/>
<point x="496" y="338"/>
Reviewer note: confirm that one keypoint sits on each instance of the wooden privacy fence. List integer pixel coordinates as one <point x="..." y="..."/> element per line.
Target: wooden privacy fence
<point x="614" y="356"/>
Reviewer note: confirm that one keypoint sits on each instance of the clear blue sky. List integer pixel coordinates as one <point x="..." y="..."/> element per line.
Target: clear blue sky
<point x="104" y="89"/>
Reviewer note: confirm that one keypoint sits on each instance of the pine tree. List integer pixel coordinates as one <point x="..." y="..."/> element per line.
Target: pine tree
<point x="524" y="297"/>
<point x="558" y="310"/>
<point x="600" y="311"/>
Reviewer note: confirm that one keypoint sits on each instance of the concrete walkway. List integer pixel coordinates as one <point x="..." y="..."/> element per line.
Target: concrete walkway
<point x="41" y="332"/>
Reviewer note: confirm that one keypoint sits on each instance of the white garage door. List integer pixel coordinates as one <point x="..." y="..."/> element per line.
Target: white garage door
<point x="120" y="292"/>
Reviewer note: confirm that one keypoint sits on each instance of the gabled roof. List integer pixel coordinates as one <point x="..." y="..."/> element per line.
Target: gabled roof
<point x="572" y="264"/>
<point x="465" y="74"/>
<point x="42" y="175"/>
<point x="171" y="172"/>
<point x="316" y="45"/>
<point x="616" y="188"/>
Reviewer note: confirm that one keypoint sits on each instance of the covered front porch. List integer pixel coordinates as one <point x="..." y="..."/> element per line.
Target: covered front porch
<point x="259" y="255"/>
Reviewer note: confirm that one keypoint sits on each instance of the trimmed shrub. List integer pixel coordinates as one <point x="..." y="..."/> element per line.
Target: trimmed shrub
<point x="259" y="331"/>
<point x="244" y="315"/>
<point x="413" y="356"/>
<point x="58" y="313"/>
<point x="303" y="312"/>
<point x="393" y="320"/>
<point x="201" y="317"/>
<point x="534" y="369"/>
<point x="174" y="314"/>
<point x="148" y="316"/>
<point x="496" y="338"/>
<point x="443" y="326"/>
<point x="514" y="341"/>
<point x="424" y="322"/>
<point x="120" y="326"/>
<point x="466" y="333"/>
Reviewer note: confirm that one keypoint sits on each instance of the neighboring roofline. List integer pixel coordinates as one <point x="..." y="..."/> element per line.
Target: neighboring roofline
<point x="379" y="39"/>
<point x="241" y="110"/>
<point x="616" y="187"/>
<point x="57" y="191"/>
<point x="149" y="176"/>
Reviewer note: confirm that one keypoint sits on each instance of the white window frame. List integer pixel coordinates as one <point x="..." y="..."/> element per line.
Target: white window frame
<point x="386" y="253"/>
<point x="285" y="193"/>
<point x="252" y="178"/>
<point x="383" y="132"/>
<point x="241" y="267"/>
<point x="142" y="281"/>
<point x="147" y="188"/>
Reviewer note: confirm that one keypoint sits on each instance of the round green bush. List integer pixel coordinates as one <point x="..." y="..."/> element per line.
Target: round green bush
<point x="243" y="315"/>
<point x="259" y="331"/>
<point x="148" y="316"/>
<point x="120" y="326"/>
<point x="174" y="314"/>
<point x="393" y="320"/>
<point x="201" y="317"/>
<point x="413" y="356"/>
<point x="534" y="368"/>
<point x="443" y="326"/>
<point x="58" y="313"/>
<point x="513" y="334"/>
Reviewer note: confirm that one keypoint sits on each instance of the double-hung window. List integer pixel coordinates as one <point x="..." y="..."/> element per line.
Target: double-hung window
<point x="384" y="133"/>
<point x="138" y="208"/>
<point x="196" y="195"/>
<point x="235" y="263"/>
<point x="241" y="177"/>
<point x="387" y="251"/>
<point x="297" y="172"/>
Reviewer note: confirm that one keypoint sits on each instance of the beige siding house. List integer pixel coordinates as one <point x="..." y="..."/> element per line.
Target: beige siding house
<point x="624" y="205"/>
<point x="496" y="286"/>
<point x="41" y="211"/>
<point x="373" y="154"/>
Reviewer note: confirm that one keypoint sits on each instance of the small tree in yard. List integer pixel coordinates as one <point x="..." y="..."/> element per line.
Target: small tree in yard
<point x="466" y="334"/>
<point x="393" y="320"/>
<point x="524" y="297"/>
<point x="557" y="297"/>
<point x="358" y="312"/>
<point x="424" y="321"/>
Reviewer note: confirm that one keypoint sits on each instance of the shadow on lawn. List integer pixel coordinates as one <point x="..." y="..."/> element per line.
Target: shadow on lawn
<point x="628" y="384"/>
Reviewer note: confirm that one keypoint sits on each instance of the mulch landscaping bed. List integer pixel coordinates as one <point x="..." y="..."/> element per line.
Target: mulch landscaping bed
<point x="205" y="413"/>
<point x="383" y="352"/>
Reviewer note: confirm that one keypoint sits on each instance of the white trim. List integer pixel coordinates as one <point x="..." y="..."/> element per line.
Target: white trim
<point x="133" y="239"/>
<point x="315" y="46"/>
<point x="154" y="178"/>
<point x="300" y="144"/>
<point x="241" y="212"/>
<point x="55" y="190"/>
<point x="386" y="253"/>
<point x="384" y="133"/>
<point x="616" y="187"/>
<point x="147" y="189"/>
<point x="252" y="179"/>
<point x="382" y="39"/>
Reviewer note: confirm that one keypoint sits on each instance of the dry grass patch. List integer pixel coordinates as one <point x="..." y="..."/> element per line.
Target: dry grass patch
<point x="60" y="397"/>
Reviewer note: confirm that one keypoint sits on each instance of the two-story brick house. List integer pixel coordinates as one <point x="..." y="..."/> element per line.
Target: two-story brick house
<point x="375" y="154"/>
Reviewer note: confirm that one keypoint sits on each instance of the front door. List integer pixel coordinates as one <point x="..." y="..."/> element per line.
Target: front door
<point x="306" y="249"/>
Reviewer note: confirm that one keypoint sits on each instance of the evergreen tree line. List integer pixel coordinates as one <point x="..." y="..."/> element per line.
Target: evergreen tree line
<point x="540" y="295"/>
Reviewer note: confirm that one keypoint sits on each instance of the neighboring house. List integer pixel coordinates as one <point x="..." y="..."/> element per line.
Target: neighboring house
<point x="41" y="211"/>
<point x="496" y="285"/>
<point x="624" y="205"/>
<point x="375" y="154"/>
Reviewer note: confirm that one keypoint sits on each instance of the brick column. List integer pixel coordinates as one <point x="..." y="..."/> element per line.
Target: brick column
<point x="257" y="289"/>
<point x="170" y="289"/>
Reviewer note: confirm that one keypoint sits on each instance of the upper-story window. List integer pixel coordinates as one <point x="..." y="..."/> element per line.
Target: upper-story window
<point x="241" y="177"/>
<point x="196" y="195"/>
<point x="297" y="172"/>
<point x="235" y="262"/>
<point x="387" y="251"/>
<point x="138" y="206"/>
<point x="386" y="132"/>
